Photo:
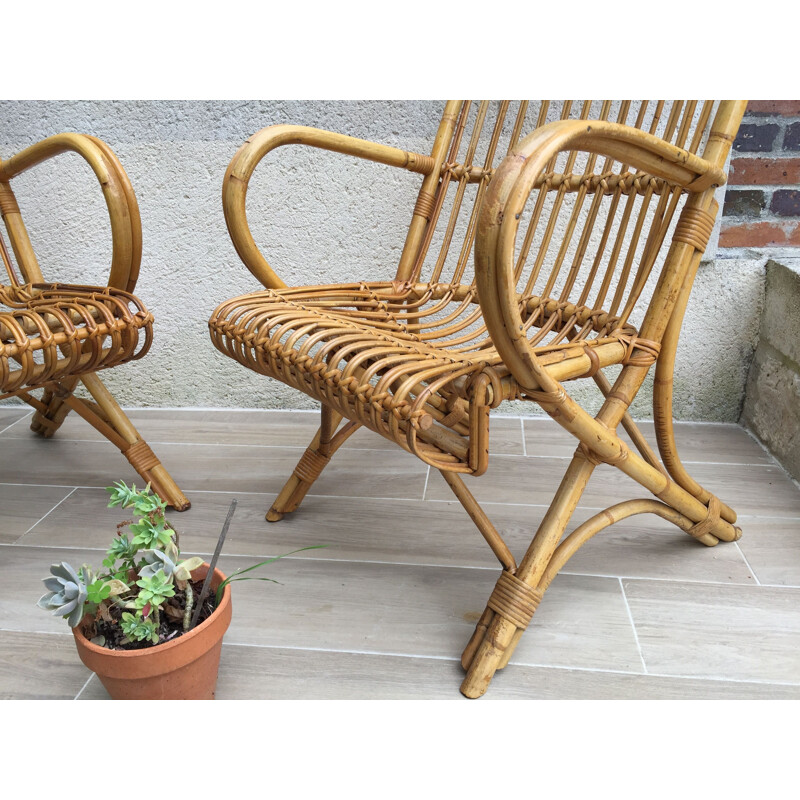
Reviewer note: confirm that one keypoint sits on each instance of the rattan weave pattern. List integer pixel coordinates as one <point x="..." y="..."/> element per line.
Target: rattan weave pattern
<point x="53" y="331"/>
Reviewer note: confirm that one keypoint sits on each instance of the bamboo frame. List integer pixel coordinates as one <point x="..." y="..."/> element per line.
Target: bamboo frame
<point x="53" y="336"/>
<point x="423" y="359"/>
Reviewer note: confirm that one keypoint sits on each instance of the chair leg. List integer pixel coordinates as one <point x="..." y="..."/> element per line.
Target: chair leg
<point x="46" y="421"/>
<point x="663" y="397"/>
<point x="516" y="596"/>
<point x="106" y="416"/>
<point x="313" y="461"/>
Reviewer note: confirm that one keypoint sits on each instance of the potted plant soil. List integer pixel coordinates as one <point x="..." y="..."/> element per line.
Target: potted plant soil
<point x="149" y="624"/>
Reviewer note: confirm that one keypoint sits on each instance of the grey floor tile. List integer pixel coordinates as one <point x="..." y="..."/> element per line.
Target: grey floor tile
<point x="265" y="673"/>
<point x="246" y="427"/>
<point x="272" y="673"/>
<point x="357" y="473"/>
<point x="429" y="611"/>
<point x="505" y="437"/>
<point x="40" y="666"/>
<point x="56" y="462"/>
<point x="772" y="548"/>
<point x="648" y="547"/>
<point x="201" y="426"/>
<point x="704" y="441"/>
<point x="752" y="491"/>
<point x="697" y="441"/>
<point x="384" y="608"/>
<point x="730" y="632"/>
<point x="400" y="531"/>
<point x="10" y="415"/>
<point x="21" y="507"/>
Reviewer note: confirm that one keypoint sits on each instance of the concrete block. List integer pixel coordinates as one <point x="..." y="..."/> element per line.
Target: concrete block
<point x="772" y="397"/>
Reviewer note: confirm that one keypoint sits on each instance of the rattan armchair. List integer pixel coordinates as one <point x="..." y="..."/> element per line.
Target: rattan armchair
<point x="53" y="335"/>
<point x="570" y="277"/>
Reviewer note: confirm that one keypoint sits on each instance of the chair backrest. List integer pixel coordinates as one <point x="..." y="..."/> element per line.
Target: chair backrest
<point x="123" y="209"/>
<point x="594" y="227"/>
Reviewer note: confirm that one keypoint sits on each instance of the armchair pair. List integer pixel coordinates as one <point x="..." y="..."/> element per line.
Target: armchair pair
<point x="549" y="243"/>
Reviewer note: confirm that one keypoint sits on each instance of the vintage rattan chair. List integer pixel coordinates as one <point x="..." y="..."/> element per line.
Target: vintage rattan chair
<point x="570" y="278"/>
<point x="53" y="335"/>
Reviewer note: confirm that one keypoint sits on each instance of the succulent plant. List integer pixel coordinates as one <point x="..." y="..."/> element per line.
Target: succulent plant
<point x="143" y="572"/>
<point x="151" y="534"/>
<point x="137" y="629"/>
<point x="154" y="590"/>
<point x="155" y="560"/>
<point x="144" y="502"/>
<point x="67" y="593"/>
<point x="121" y="548"/>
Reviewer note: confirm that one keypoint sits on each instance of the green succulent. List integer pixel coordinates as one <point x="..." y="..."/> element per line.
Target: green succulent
<point x="137" y="628"/>
<point x="148" y="535"/>
<point x="121" y="494"/>
<point x="121" y="550"/>
<point x="67" y="593"/>
<point x="154" y="590"/>
<point x="143" y="502"/>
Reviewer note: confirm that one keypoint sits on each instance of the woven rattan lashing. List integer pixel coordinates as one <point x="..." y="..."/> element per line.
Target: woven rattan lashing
<point x="549" y="241"/>
<point x="55" y="335"/>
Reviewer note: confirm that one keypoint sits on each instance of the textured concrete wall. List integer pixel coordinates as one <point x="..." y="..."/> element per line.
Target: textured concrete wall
<point x="318" y="217"/>
<point x="772" y="402"/>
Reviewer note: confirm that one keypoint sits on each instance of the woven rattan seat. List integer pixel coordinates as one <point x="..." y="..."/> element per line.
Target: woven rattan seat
<point x="323" y="341"/>
<point x="55" y="335"/>
<point x="548" y="242"/>
<point x="51" y="331"/>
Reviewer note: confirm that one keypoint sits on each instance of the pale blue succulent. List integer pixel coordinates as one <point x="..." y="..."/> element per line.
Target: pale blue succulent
<point x="154" y="561"/>
<point x="67" y="593"/>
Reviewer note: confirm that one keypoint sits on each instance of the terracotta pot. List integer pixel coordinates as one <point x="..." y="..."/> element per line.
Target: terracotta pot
<point x="182" y="669"/>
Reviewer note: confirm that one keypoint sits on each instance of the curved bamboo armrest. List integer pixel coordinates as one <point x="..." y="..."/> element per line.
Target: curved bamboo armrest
<point x="507" y="193"/>
<point x="243" y="164"/>
<point x="123" y="210"/>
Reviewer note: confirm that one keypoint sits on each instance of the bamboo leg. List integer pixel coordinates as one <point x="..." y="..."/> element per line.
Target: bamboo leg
<point x="478" y="516"/>
<point x="662" y="400"/>
<point x="46" y="421"/>
<point x="313" y="461"/>
<point x="114" y="424"/>
<point x="632" y="429"/>
<point x="487" y="653"/>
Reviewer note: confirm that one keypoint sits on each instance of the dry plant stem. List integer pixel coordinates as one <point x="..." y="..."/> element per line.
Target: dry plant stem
<point x="54" y="335"/>
<point x="187" y="615"/>
<point x="570" y="234"/>
<point x="213" y="564"/>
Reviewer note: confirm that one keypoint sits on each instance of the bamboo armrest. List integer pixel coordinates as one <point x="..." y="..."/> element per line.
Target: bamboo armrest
<point x="507" y="193"/>
<point x="243" y="164"/>
<point x="123" y="210"/>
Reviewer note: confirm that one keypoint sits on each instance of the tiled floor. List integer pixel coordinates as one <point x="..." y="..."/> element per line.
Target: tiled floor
<point x="384" y="611"/>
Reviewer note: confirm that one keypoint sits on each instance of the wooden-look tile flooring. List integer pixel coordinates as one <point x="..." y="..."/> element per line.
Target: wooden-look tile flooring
<point x="643" y="611"/>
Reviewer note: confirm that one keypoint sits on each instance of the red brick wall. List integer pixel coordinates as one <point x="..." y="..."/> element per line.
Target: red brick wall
<point x="762" y="201"/>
